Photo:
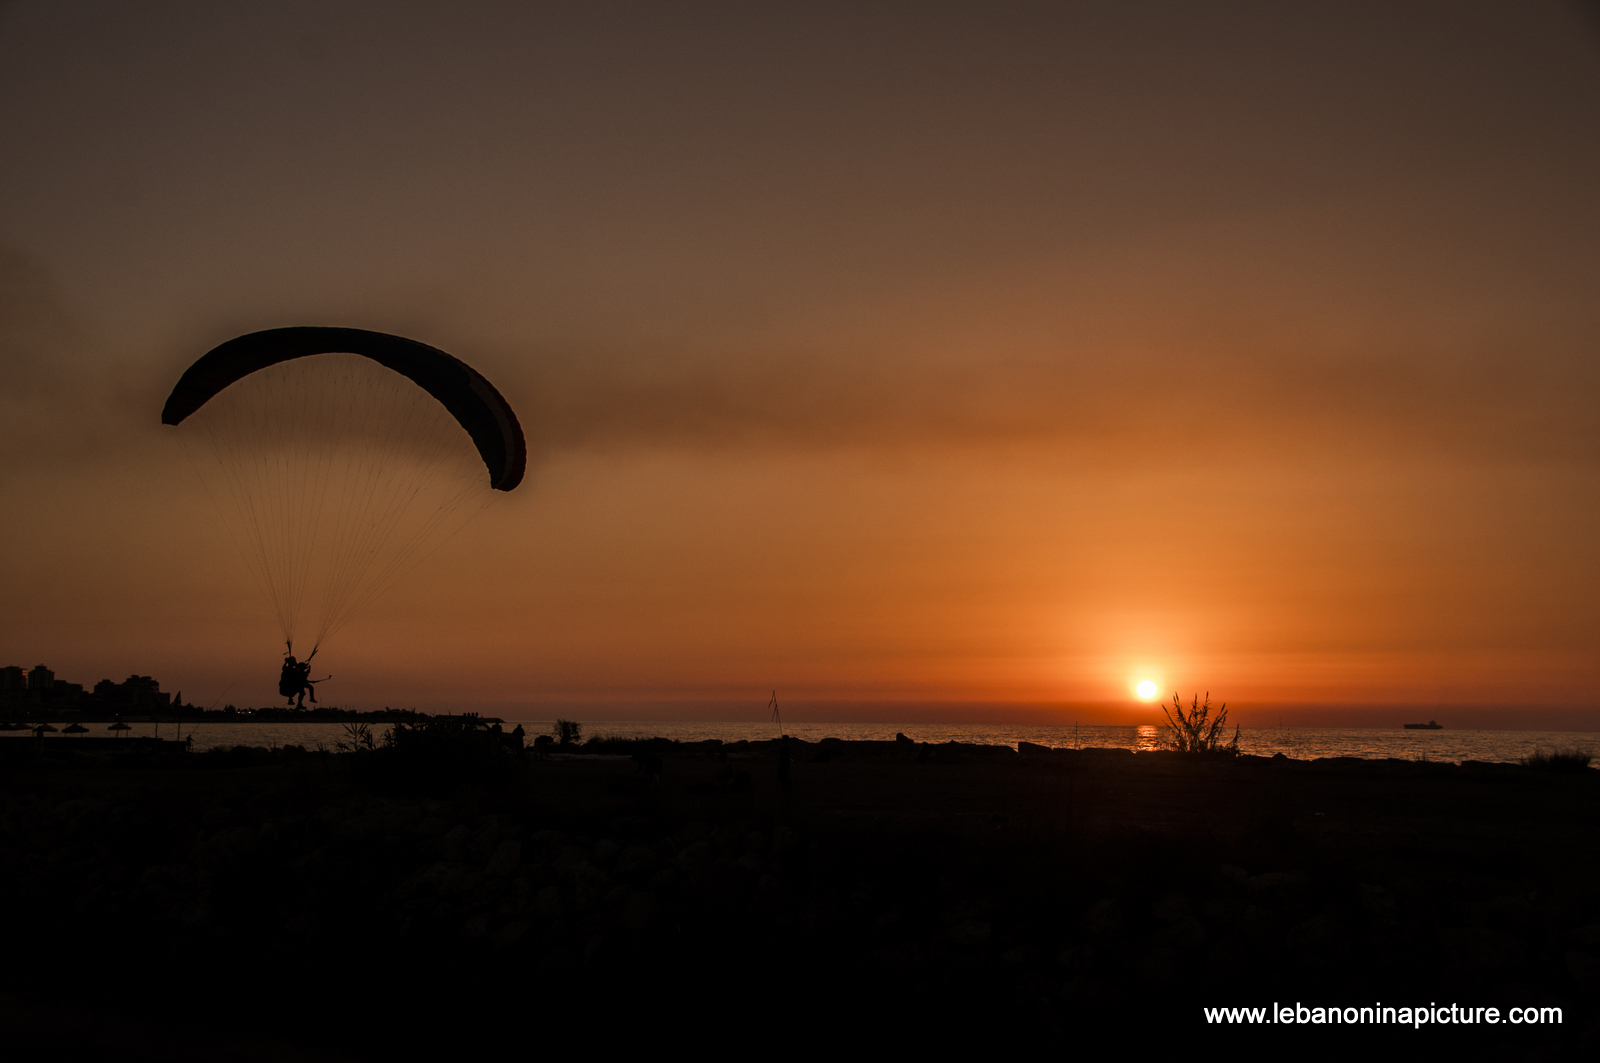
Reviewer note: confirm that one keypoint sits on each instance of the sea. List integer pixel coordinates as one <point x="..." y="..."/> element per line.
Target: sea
<point x="1301" y="743"/>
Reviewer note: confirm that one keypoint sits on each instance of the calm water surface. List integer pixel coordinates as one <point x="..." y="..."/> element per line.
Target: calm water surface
<point x="1301" y="743"/>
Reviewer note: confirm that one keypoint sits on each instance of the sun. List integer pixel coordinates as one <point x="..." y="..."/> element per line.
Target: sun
<point x="1146" y="689"/>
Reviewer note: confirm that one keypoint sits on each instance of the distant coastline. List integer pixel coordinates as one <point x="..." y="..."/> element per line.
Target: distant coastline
<point x="329" y="726"/>
<point x="198" y="716"/>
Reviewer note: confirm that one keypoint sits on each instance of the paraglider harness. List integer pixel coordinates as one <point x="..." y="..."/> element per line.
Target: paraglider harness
<point x="295" y="681"/>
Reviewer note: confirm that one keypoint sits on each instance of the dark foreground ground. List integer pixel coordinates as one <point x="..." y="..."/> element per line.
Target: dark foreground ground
<point x="278" y="905"/>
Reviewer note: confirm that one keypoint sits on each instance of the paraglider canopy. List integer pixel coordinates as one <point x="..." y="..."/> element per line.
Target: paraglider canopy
<point x="339" y="458"/>
<point x="470" y="398"/>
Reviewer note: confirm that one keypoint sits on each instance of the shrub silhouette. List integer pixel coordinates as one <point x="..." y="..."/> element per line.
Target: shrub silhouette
<point x="568" y="732"/>
<point x="435" y="757"/>
<point x="1558" y="760"/>
<point x="357" y="739"/>
<point x="1195" y="731"/>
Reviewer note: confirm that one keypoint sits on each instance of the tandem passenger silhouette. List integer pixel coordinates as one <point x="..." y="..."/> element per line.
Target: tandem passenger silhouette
<point x="295" y="679"/>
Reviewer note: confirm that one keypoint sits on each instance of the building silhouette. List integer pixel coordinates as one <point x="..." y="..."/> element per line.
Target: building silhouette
<point x="25" y="691"/>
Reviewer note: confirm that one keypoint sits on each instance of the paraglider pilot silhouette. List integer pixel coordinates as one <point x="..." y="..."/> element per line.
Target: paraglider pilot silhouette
<point x="339" y="458"/>
<point x="295" y="680"/>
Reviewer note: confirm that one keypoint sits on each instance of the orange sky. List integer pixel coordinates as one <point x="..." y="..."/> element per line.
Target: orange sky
<point x="918" y="361"/>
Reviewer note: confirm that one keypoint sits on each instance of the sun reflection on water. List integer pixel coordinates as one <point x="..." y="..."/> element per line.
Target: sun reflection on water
<point x="1148" y="738"/>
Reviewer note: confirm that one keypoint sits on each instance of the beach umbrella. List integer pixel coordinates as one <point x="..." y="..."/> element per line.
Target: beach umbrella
<point x="74" y="729"/>
<point x="42" y="728"/>
<point x="119" y="726"/>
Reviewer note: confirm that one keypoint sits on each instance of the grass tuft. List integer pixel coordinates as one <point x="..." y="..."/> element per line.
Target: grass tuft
<point x="1195" y="731"/>
<point x="1558" y="760"/>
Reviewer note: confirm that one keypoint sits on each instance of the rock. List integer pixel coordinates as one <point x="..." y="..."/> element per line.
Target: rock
<point x="1513" y="914"/>
<point x="1103" y="918"/>
<point x="512" y="932"/>
<point x="1076" y="957"/>
<point x="449" y="879"/>
<point x="971" y="934"/>
<point x="1188" y="933"/>
<point x="694" y="857"/>
<point x="784" y="840"/>
<point x="456" y="845"/>
<point x="569" y="857"/>
<point x="547" y="903"/>
<point x="587" y="886"/>
<point x="1479" y="949"/>
<point x="227" y="844"/>
<point x="1171" y="908"/>
<point x="634" y="859"/>
<point x="505" y="860"/>
<point x="1274" y="881"/>
<point x="1157" y="966"/>
<point x="1585" y="969"/>
<point x="1223" y="909"/>
<point x="1080" y="991"/>
<point x="1375" y="900"/>
<point x="639" y="910"/>
<point x="492" y="829"/>
<point x="1259" y="925"/>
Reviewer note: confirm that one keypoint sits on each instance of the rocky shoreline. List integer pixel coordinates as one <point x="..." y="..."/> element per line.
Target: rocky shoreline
<point x="951" y="891"/>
